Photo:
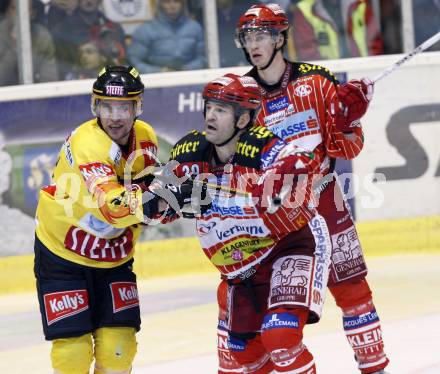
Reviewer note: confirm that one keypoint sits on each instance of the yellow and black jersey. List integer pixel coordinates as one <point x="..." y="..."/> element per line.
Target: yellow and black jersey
<point x="88" y="215"/>
<point x="250" y="150"/>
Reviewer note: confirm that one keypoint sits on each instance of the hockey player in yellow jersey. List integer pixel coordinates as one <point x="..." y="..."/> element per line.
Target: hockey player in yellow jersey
<point x="88" y="221"/>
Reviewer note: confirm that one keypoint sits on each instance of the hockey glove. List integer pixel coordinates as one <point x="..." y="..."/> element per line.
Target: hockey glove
<point x="177" y="197"/>
<point x="354" y="98"/>
<point x="286" y="177"/>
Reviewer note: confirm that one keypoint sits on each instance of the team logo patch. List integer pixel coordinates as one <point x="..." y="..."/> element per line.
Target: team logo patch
<point x="231" y="227"/>
<point x="296" y="125"/>
<point x="235" y="344"/>
<point x="303" y="90"/>
<point x="290" y="280"/>
<point x="278" y="104"/>
<point x="280" y="320"/>
<point x="240" y="249"/>
<point x="99" y="249"/>
<point x="347" y="258"/>
<point x="269" y="157"/>
<point x="96" y="169"/>
<point x="205" y="228"/>
<point x="322" y="251"/>
<point x="360" y="321"/>
<point x="63" y="304"/>
<point x="149" y="151"/>
<point x="124" y="295"/>
<point x="237" y="255"/>
<point x="114" y="90"/>
<point x="234" y="210"/>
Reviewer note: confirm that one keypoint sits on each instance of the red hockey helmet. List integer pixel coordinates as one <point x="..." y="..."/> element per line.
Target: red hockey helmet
<point x="262" y="17"/>
<point x="233" y="89"/>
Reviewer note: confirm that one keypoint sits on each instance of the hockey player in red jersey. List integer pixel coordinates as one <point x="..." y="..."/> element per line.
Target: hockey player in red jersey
<point x="304" y="105"/>
<point x="273" y="254"/>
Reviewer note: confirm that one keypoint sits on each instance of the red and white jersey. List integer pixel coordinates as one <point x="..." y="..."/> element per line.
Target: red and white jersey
<point x="238" y="232"/>
<point x="300" y="110"/>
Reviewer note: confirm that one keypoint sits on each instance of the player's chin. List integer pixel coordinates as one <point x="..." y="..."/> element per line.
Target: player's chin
<point x="214" y="138"/>
<point x="210" y="137"/>
<point x="258" y="61"/>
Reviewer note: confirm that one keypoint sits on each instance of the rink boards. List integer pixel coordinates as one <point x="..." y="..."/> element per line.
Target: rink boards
<point x="402" y="136"/>
<point x="165" y="258"/>
<point x="402" y="130"/>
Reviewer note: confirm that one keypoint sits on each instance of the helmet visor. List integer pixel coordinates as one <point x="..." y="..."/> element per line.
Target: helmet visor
<point x="115" y="109"/>
<point x="261" y="36"/>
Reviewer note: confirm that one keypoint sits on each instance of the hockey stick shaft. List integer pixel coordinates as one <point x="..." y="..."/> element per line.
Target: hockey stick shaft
<point x="425" y="45"/>
<point x="160" y="171"/>
<point x="217" y="188"/>
<point x="201" y="183"/>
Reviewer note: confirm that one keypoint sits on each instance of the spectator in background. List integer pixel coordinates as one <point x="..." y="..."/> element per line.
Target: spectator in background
<point x="426" y="15"/>
<point x="55" y="11"/>
<point x="195" y="9"/>
<point x="38" y="12"/>
<point x="90" y="61"/>
<point x="228" y="11"/>
<point x="332" y="29"/>
<point x="43" y="50"/>
<point x="82" y="26"/>
<point x="108" y="38"/>
<point x="171" y="41"/>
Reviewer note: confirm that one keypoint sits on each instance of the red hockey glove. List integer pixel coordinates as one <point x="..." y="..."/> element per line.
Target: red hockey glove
<point x="281" y="179"/>
<point x="354" y="98"/>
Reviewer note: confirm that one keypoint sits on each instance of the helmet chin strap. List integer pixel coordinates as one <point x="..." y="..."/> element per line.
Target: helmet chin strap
<point x="248" y="57"/>
<point x="275" y="50"/>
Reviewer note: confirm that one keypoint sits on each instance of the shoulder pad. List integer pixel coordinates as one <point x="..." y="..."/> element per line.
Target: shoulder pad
<point x="304" y="69"/>
<point x="193" y="147"/>
<point x="251" y="144"/>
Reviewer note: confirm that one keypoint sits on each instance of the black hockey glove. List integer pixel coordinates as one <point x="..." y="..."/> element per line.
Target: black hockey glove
<point x="189" y="195"/>
<point x="175" y="196"/>
<point x="182" y="195"/>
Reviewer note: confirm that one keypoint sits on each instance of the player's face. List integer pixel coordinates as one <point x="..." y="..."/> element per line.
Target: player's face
<point x="219" y="121"/>
<point x="260" y="45"/>
<point x="117" y="119"/>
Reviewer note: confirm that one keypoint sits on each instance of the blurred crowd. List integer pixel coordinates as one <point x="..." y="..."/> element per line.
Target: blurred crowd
<point x="72" y="39"/>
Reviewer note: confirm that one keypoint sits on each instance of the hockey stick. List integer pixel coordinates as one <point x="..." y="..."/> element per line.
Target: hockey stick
<point x="160" y="172"/>
<point x="218" y="188"/>
<point x="425" y="45"/>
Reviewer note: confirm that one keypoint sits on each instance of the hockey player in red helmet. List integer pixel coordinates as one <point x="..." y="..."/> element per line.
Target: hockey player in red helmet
<point x="264" y="24"/>
<point x="257" y="244"/>
<point x="305" y="105"/>
<point x="242" y="98"/>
